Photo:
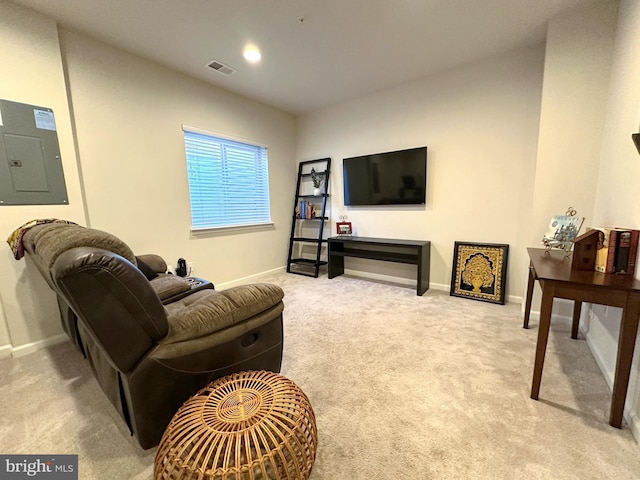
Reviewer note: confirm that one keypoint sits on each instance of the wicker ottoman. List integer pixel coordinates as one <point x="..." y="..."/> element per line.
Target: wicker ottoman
<point x="250" y="425"/>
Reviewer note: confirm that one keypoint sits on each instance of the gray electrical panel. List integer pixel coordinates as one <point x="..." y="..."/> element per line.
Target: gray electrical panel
<point x="30" y="164"/>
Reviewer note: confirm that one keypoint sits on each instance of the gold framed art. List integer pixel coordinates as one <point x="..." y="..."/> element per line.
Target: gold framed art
<point x="480" y="271"/>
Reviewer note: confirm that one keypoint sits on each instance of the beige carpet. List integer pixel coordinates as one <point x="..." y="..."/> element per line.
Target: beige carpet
<point x="403" y="387"/>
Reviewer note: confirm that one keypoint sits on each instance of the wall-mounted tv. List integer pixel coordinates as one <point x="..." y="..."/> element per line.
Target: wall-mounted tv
<point x="390" y="178"/>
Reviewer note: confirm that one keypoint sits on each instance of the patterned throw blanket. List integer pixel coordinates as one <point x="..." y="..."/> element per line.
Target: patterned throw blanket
<point x="15" y="239"/>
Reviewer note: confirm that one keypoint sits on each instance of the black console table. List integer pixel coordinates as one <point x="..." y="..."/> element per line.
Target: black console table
<point x="414" y="252"/>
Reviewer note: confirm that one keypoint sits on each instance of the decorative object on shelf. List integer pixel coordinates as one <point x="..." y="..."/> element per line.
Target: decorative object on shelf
<point x="317" y="182"/>
<point x="585" y="248"/>
<point x="562" y="230"/>
<point x="343" y="227"/>
<point x="480" y="271"/>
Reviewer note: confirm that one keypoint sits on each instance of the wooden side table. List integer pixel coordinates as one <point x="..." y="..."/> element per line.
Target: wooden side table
<point x="558" y="280"/>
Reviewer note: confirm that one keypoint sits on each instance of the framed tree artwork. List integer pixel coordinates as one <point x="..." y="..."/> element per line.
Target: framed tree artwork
<point x="480" y="271"/>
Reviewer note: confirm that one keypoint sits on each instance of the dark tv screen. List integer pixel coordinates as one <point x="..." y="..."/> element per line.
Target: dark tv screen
<point x="390" y="178"/>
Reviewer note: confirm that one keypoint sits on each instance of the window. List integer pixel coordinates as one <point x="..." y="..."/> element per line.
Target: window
<point x="228" y="182"/>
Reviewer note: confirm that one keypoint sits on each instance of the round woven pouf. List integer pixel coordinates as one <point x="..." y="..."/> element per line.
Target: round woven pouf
<point x="246" y="426"/>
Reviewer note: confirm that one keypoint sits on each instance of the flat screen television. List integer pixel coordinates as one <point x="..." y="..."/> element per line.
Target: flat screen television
<point x="390" y="178"/>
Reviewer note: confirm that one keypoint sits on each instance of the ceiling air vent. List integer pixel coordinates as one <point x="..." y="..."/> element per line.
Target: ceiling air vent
<point x="220" y="67"/>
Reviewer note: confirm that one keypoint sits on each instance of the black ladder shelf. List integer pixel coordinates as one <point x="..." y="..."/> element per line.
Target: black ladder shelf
<point x="305" y="250"/>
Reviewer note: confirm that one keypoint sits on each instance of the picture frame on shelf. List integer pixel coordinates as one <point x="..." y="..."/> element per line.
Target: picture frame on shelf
<point x="561" y="231"/>
<point x="343" y="228"/>
<point x="480" y="271"/>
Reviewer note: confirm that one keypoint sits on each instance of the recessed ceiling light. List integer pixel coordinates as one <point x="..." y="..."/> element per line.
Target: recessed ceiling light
<point x="252" y="54"/>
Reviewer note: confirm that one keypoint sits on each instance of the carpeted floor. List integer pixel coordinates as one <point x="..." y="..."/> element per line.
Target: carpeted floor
<point x="403" y="387"/>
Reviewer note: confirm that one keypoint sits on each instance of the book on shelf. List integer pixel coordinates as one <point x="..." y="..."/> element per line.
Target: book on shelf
<point x="633" y="251"/>
<point x="606" y="253"/>
<point x="626" y="251"/>
<point x="621" y="263"/>
<point x="306" y="210"/>
<point x="617" y="250"/>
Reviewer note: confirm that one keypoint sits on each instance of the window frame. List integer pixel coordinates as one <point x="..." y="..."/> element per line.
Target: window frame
<point x="217" y="138"/>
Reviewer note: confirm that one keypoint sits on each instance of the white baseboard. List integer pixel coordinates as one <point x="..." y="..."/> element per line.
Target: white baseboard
<point x="5" y="351"/>
<point x="630" y="415"/>
<point x="28" y="348"/>
<point x="555" y="318"/>
<point x="410" y="282"/>
<point x="249" y="279"/>
<point x="633" y="420"/>
<point x="441" y="287"/>
<point x="404" y="281"/>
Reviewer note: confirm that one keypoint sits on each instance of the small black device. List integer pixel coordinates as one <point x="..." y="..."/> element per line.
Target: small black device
<point x="181" y="268"/>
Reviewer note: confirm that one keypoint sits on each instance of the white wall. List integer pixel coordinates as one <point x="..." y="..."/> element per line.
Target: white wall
<point x="617" y="199"/>
<point x="130" y="168"/>
<point x="32" y="73"/>
<point x="578" y="54"/>
<point x="128" y="114"/>
<point x="574" y="100"/>
<point x="480" y="124"/>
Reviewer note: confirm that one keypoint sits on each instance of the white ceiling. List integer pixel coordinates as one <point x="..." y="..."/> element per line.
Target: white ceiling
<point x="342" y="49"/>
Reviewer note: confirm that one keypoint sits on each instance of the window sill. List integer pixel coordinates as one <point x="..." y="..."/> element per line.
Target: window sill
<point x="232" y="228"/>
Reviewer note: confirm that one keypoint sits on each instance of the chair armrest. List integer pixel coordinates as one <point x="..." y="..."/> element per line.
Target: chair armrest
<point x="153" y="261"/>
<point x="195" y="284"/>
<point x="168" y="286"/>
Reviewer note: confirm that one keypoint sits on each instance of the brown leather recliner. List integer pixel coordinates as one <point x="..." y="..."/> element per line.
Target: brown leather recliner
<point x="61" y="234"/>
<point x="149" y="357"/>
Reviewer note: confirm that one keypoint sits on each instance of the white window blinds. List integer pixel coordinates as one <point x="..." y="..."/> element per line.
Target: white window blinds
<point x="228" y="182"/>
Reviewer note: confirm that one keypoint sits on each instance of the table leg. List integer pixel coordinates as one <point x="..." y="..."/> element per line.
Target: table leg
<point x="527" y="306"/>
<point x="335" y="265"/>
<point x="626" y="344"/>
<point x="577" y="308"/>
<point x="424" y="261"/>
<point x="543" y="335"/>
